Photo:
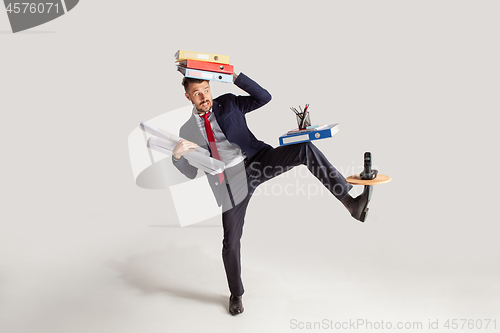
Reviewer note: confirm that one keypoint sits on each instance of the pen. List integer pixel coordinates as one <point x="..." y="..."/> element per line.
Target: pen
<point x="304" y="118"/>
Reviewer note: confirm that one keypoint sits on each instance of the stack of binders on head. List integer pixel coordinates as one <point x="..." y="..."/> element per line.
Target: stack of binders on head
<point x="205" y="66"/>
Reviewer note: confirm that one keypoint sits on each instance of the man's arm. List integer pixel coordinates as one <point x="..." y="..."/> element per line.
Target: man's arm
<point x="258" y="95"/>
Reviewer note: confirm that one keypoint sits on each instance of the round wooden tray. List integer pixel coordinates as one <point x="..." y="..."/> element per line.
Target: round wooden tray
<point x="380" y="179"/>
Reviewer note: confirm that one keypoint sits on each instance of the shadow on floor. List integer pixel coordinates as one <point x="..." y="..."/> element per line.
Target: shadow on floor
<point x="178" y="272"/>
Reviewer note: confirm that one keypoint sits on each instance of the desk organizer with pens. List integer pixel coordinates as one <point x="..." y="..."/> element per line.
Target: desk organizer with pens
<point x="303" y="118"/>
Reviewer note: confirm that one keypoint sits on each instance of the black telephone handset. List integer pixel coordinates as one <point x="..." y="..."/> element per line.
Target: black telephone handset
<point x="368" y="173"/>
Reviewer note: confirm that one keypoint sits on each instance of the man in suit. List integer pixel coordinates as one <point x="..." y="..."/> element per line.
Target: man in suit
<point x="219" y="124"/>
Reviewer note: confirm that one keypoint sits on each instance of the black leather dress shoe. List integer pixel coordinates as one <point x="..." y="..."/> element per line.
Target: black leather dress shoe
<point x="360" y="212"/>
<point x="235" y="305"/>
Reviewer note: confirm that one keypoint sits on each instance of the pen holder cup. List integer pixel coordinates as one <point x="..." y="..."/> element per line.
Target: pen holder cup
<point x="307" y="122"/>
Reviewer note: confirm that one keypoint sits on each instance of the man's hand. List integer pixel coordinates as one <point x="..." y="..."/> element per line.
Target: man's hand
<point x="183" y="147"/>
<point x="234" y="76"/>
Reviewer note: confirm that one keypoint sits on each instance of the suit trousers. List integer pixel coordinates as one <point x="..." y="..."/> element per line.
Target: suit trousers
<point x="265" y="165"/>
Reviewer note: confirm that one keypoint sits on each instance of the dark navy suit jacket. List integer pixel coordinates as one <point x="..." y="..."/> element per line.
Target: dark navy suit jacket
<point x="230" y="113"/>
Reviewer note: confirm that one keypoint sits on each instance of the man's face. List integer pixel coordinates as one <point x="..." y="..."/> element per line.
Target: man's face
<point x="199" y="94"/>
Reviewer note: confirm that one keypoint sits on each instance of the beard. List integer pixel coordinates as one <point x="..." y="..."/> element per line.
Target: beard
<point x="202" y="107"/>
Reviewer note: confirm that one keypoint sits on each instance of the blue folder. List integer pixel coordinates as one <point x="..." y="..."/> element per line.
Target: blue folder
<point x="309" y="135"/>
<point x="205" y="75"/>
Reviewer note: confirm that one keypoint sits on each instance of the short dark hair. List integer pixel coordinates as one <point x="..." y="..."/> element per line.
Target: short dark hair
<point x="186" y="81"/>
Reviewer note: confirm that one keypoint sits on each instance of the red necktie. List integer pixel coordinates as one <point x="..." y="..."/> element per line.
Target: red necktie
<point x="211" y="142"/>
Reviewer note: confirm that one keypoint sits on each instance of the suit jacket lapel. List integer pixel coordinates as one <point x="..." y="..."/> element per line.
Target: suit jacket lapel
<point x="219" y="116"/>
<point x="195" y="134"/>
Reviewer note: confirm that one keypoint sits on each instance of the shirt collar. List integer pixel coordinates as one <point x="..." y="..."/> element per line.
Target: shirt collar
<point x="197" y="114"/>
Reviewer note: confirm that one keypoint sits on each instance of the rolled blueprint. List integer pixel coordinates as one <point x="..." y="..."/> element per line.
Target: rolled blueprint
<point x="168" y="136"/>
<point x="165" y="142"/>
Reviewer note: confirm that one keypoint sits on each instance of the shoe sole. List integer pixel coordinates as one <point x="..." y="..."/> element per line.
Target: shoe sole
<point x="364" y="213"/>
<point x="369" y="194"/>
